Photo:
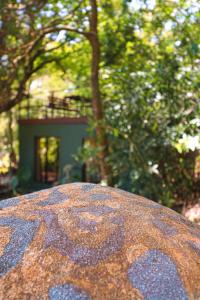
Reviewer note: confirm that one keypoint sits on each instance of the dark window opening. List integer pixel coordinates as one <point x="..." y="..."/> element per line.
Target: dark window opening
<point x="47" y="159"/>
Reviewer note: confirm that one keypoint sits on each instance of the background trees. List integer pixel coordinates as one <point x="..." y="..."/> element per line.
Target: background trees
<point x="144" y="57"/>
<point x="152" y="86"/>
<point x="27" y="33"/>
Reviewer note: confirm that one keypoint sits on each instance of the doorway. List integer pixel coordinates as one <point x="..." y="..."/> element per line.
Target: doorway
<point x="47" y="159"/>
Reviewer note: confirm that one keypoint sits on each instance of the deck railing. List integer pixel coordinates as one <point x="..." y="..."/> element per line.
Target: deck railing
<point x="69" y="107"/>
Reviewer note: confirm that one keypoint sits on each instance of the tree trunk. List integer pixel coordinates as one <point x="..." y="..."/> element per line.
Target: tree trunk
<point x="96" y="95"/>
<point x="12" y="155"/>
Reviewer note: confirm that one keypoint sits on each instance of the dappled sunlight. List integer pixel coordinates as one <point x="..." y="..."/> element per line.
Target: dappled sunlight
<point x="119" y="92"/>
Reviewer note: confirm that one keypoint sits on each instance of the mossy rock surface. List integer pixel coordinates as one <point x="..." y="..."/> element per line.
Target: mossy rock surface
<point x="85" y="241"/>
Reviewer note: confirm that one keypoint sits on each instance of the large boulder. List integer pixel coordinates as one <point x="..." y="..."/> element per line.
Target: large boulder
<point x="85" y="241"/>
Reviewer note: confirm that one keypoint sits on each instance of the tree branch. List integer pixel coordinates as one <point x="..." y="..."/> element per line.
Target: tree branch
<point x="66" y="28"/>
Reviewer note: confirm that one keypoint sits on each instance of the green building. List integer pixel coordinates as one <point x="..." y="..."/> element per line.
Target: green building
<point x="49" y="139"/>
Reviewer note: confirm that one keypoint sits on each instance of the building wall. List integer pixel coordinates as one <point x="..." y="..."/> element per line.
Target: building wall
<point x="70" y="132"/>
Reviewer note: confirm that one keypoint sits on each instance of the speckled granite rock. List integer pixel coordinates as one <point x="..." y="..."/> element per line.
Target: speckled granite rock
<point x="84" y="241"/>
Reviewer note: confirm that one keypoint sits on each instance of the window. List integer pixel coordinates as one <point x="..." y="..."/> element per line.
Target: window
<point x="47" y="159"/>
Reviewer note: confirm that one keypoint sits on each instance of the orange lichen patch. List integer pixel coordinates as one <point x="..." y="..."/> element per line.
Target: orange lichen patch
<point x="84" y="241"/>
<point x="4" y="238"/>
<point x="135" y="251"/>
<point x="89" y="216"/>
<point x="113" y="204"/>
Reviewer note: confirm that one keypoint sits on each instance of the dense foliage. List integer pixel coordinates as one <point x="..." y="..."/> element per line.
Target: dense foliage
<point x="151" y="81"/>
<point x="149" y="78"/>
